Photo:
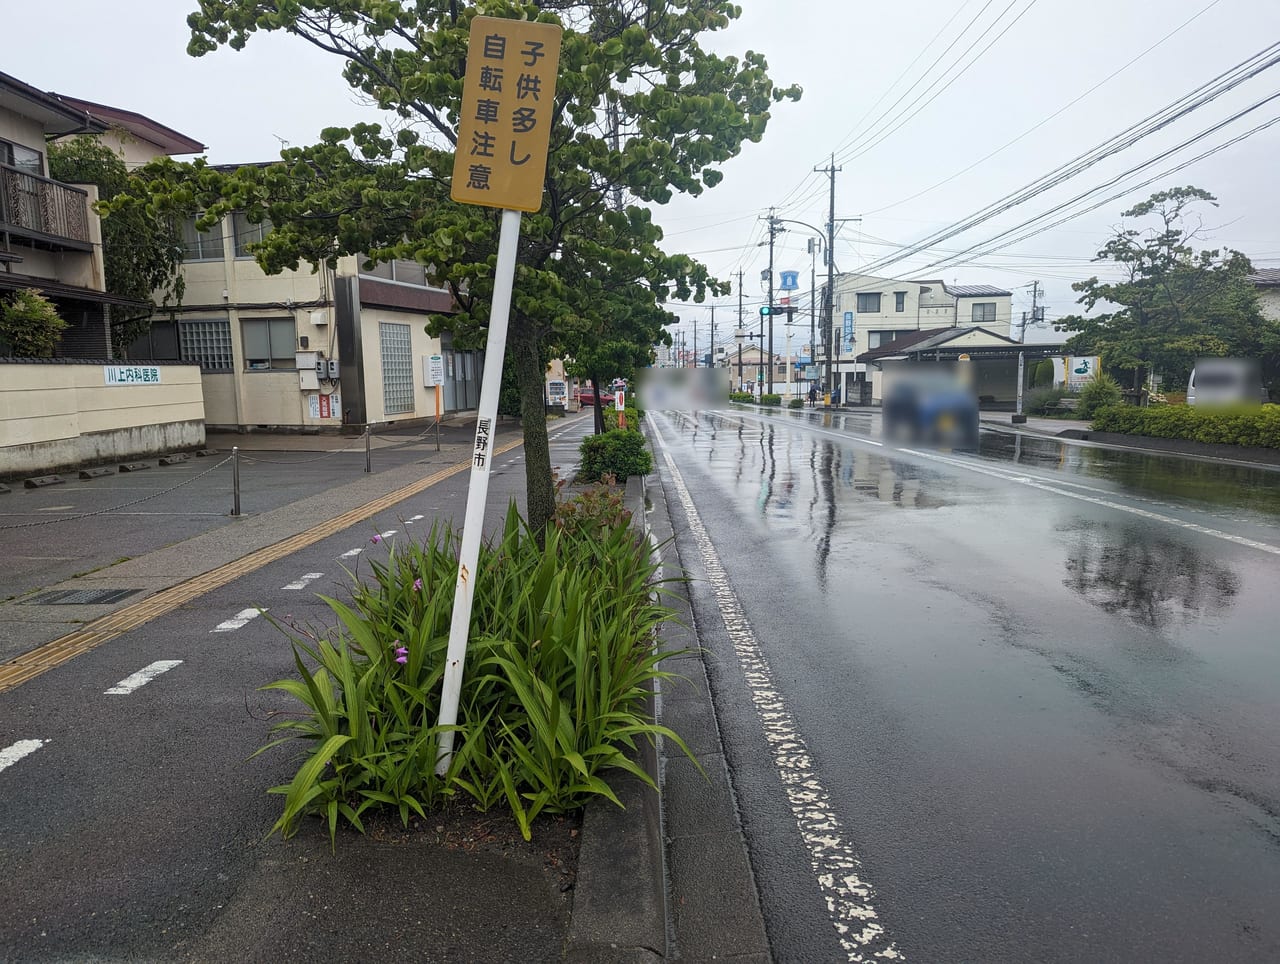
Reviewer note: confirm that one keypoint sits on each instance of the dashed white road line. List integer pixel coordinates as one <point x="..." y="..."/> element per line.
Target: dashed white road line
<point x="388" y="534"/>
<point x="301" y="581"/>
<point x="849" y="898"/>
<point x="12" y="754"/>
<point x="410" y="522"/>
<point x="142" y="677"/>
<point x="351" y="552"/>
<point x="240" y="618"/>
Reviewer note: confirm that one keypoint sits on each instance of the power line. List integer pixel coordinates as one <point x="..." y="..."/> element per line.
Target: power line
<point x="1056" y="113"/>
<point x="1204" y="94"/>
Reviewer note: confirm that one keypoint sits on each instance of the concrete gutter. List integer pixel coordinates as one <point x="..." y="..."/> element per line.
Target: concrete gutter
<point x="620" y="899"/>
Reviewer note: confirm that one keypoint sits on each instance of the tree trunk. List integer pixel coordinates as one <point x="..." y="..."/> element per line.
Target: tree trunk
<point x="599" y="405"/>
<point x="539" y="484"/>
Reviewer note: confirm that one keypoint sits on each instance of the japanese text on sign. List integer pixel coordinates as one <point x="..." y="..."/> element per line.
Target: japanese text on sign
<point x="481" y="456"/>
<point x="131" y="374"/>
<point x="507" y="101"/>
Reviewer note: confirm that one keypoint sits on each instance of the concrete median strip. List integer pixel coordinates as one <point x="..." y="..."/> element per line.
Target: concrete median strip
<point x="56" y="652"/>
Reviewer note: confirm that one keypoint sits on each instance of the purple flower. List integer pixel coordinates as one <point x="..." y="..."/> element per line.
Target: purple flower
<point x="402" y="659"/>
<point x="376" y="539"/>
<point x="417" y="585"/>
<point x="401" y="650"/>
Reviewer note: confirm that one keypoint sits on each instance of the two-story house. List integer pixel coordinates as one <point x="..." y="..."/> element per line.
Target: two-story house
<point x="870" y="312"/>
<point x="50" y="235"/>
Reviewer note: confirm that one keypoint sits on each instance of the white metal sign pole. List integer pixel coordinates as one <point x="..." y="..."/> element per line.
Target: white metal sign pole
<point x="478" y="491"/>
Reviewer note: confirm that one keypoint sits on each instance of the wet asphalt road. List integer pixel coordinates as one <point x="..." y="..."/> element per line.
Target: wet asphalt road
<point x="1039" y="684"/>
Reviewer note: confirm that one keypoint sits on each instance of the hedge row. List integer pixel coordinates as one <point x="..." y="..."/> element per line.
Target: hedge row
<point x="1253" y="425"/>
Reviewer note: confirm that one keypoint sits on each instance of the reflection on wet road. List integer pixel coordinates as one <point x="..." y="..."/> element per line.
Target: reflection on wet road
<point x="1042" y="679"/>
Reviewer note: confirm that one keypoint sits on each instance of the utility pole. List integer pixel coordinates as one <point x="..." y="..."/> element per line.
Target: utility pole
<point x="1035" y="310"/>
<point x="711" y="352"/>
<point x="814" y="244"/>
<point x="830" y="299"/>
<point x="774" y="231"/>
<point x="695" y="342"/>
<point x="740" y="329"/>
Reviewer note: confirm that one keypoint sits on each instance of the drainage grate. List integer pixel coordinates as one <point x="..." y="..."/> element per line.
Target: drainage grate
<point x="80" y="597"/>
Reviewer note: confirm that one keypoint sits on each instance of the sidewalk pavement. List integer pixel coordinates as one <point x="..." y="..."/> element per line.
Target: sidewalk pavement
<point x="667" y="877"/>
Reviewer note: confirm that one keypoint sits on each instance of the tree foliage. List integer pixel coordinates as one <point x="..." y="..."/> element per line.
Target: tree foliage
<point x="1173" y="303"/>
<point x="30" y="324"/>
<point x="142" y="250"/>
<point x="642" y="111"/>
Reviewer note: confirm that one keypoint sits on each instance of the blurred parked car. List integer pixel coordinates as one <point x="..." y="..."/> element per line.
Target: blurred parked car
<point x="930" y="408"/>
<point x="1225" y="381"/>
<point x="587" y="396"/>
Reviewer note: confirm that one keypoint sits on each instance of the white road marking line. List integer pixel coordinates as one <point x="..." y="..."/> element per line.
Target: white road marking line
<point x="388" y="534"/>
<point x="835" y="864"/>
<point x="301" y="583"/>
<point x="1105" y="503"/>
<point x="240" y="618"/>
<point x="351" y="552"/>
<point x="142" y="677"/>
<point x="410" y="522"/>
<point x="12" y="754"/>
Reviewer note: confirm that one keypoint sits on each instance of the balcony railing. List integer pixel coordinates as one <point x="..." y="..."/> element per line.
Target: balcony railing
<point x="42" y="209"/>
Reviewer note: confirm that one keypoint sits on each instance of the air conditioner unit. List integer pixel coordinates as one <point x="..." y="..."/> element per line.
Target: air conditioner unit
<point x="320" y="317"/>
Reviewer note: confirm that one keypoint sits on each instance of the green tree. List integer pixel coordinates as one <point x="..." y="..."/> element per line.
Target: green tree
<point x="30" y="325"/>
<point x="1173" y="303"/>
<point x="141" y="250"/>
<point x="642" y="111"/>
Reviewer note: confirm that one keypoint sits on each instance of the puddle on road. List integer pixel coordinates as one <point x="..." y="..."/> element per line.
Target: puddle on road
<point x="1154" y="581"/>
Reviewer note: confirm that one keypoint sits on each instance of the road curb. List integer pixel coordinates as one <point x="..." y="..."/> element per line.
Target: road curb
<point x="620" y="903"/>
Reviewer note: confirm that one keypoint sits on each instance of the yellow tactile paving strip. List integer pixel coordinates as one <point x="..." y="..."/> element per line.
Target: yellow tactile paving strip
<point x="56" y="652"/>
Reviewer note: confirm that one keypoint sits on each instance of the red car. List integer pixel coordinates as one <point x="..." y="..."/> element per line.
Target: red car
<point x="587" y="396"/>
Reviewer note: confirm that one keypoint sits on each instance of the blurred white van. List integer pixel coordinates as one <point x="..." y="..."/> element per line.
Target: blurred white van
<point x="1225" y="381"/>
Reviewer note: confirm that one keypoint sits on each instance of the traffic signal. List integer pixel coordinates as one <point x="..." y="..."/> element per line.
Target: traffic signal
<point x="765" y="311"/>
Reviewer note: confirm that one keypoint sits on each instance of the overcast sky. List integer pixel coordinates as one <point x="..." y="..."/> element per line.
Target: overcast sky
<point x="1011" y="65"/>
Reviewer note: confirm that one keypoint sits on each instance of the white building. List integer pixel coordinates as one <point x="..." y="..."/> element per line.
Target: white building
<point x="1267" y="282"/>
<point x="870" y="312"/>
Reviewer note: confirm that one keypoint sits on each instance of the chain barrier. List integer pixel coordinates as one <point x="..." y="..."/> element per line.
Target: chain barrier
<point x="117" y="508"/>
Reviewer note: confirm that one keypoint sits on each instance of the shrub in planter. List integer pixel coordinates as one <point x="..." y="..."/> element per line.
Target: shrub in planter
<point x="796" y="403"/>
<point x="1099" y="391"/>
<point x="741" y="397"/>
<point x="770" y="399"/>
<point x="1044" y="401"/>
<point x="554" y="694"/>
<point x="1245" y="425"/>
<point x="619" y="453"/>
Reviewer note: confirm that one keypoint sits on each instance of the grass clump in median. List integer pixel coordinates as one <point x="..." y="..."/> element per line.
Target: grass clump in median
<point x="558" y="674"/>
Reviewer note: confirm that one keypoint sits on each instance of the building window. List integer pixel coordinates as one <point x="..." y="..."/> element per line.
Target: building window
<point x="158" y="343"/>
<point x="878" y="339"/>
<point x="207" y="343"/>
<point x="268" y="344"/>
<point x="899" y="301"/>
<point x="25" y="159"/>
<point x="869" y="302"/>
<point x="401" y="270"/>
<point x="397" y="368"/>
<point x="984" y="311"/>
<point x="201" y="245"/>
<point x="248" y="234"/>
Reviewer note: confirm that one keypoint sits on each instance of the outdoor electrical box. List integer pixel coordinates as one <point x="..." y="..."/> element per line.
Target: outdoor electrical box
<point x="333" y="367"/>
<point x="321" y="368"/>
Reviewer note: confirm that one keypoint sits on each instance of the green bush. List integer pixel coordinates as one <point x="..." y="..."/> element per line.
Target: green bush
<point x="557" y="677"/>
<point x="1044" y="401"/>
<point x="1099" y="391"/>
<point x="633" y="419"/>
<point x="619" y="453"/>
<point x="1242" y="425"/>
<point x="30" y="324"/>
<point x="770" y="399"/>
<point x="741" y="397"/>
<point x="796" y="403"/>
<point x="1042" y="374"/>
